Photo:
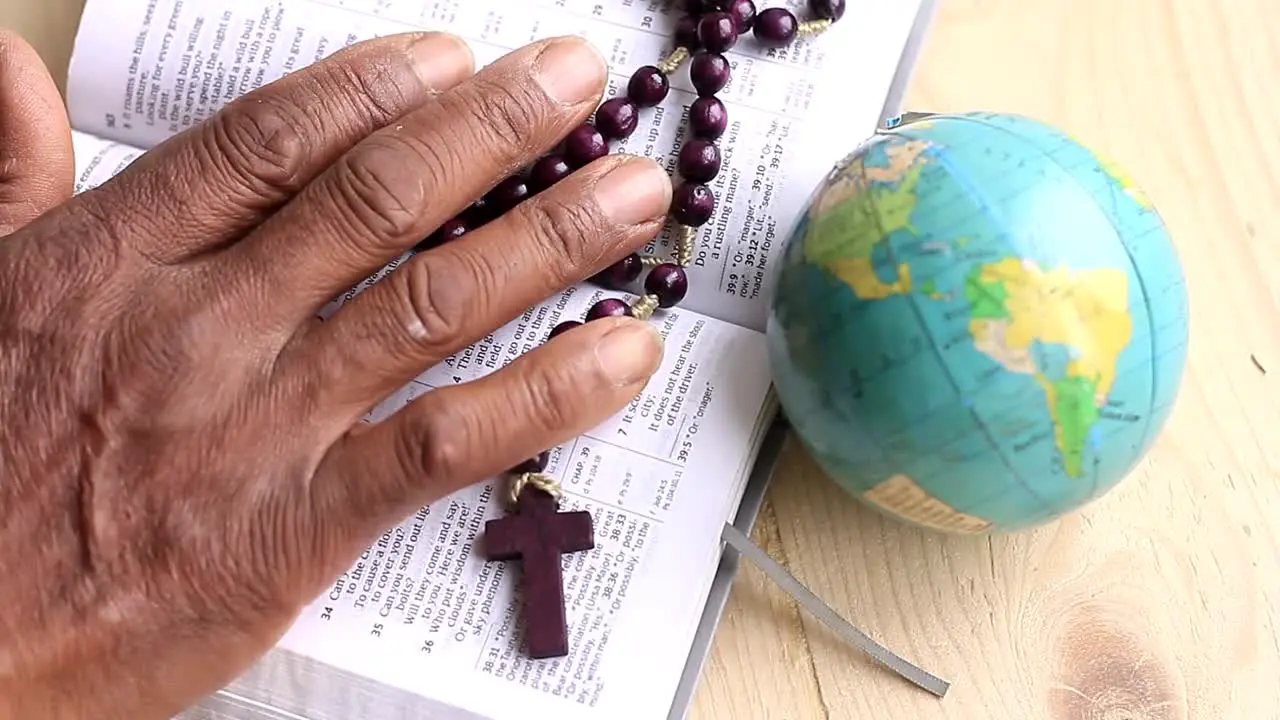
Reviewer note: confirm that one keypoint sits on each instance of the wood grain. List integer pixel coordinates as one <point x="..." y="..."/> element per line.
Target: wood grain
<point x="50" y="27"/>
<point x="1161" y="600"/>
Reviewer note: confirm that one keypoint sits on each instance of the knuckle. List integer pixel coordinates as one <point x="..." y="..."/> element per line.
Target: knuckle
<point x="108" y="235"/>
<point x="561" y="230"/>
<point x="552" y="401"/>
<point x="436" y="444"/>
<point x="259" y="142"/>
<point x="503" y="117"/>
<point x="439" y="162"/>
<point x="379" y="192"/>
<point x="438" y="292"/>
<point x="369" y="92"/>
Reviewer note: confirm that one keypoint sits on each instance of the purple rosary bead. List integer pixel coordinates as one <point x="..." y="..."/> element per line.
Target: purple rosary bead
<point x="708" y="118"/>
<point x="648" y="87"/>
<point x="584" y="145"/>
<point x="776" y="27"/>
<point x="692" y="204"/>
<point x="622" y="273"/>
<point x="687" y="33"/>
<point x="506" y="195"/>
<point x="617" y="118"/>
<point x="699" y="160"/>
<point x="609" y="307"/>
<point x="831" y="10"/>
<point x="548" y="171"/>
<point x="667" y="282"/>
<point x="743" y="13"/>
<point x="563" y="327"/>
<point x="450" y="230"/>
<point x="717" y="31"/>
<point x="478" y="213"/>
<point x="709" y="73"/>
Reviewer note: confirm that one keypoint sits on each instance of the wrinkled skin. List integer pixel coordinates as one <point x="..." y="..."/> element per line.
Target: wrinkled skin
<point x="184" y="465"/>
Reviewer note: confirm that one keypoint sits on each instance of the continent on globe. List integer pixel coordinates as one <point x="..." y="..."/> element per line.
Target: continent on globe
<point x="901" y="495"/>
<point x="978" y="324"/>
<point x="929" y="287"/>
<point x="1015" y="304"/>
<point x="871" y="199"/>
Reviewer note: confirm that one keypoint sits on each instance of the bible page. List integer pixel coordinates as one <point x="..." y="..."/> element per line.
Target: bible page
<point x="143" y="70"/>
<point x="96" y="159"/>
<point x="422" y="611"/>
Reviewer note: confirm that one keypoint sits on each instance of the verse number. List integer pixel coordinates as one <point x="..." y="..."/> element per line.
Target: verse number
<point x="326" y="614"/>
<point x="376" y="630"/>
<point x="427" y="646"/>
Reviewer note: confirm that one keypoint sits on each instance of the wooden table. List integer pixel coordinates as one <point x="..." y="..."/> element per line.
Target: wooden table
<point x="1160" y="601"/>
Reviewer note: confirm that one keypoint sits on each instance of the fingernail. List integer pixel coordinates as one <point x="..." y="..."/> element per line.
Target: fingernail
<point x="630" y="352"/>
<point x="442" y="60"/>
<point x="570" y="70"/>
<point x="635" y="191"/>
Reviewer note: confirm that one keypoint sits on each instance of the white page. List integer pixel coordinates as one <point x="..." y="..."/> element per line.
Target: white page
<point x="98" y="159"/>
<point x="661" y="478"/>
<point x="424" y="613"/>
<point x="145" y="69"/>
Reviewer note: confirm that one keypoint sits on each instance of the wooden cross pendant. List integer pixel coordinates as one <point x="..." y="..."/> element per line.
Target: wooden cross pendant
<point x="538" y="535"/>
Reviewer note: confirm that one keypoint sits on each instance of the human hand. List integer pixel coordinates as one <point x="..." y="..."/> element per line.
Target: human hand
<point x="184" y="465"/>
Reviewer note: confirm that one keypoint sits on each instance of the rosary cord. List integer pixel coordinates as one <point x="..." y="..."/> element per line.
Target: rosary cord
<point x="709" y="29"/>
<point x="541" y="481"/>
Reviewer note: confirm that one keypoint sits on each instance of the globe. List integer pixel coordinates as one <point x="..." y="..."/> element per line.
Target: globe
<point x="978" y="324"/>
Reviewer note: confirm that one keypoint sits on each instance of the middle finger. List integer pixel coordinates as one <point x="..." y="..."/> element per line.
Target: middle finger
<point x="405" y="180"/>
<point x="444" y="299"/>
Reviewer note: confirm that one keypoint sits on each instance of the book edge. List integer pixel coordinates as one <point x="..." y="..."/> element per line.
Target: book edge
<point x="766" y="460"/>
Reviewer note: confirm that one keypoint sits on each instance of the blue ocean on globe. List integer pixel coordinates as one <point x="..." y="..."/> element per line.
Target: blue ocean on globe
<point x="979" y="324"/>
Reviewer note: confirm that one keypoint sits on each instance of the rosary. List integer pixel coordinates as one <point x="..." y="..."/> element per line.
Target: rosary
<point x="538" y="534"/>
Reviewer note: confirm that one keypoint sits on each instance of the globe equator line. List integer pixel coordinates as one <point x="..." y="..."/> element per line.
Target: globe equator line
<point x="935" y="153"/>
<point x="1133" y="266"/>
<point x="915" y="311"/>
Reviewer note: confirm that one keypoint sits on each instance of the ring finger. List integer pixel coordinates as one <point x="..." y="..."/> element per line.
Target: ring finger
<point x="446" y="298"/>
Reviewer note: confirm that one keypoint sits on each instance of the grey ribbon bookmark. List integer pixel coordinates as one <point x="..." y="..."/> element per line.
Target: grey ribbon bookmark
<point x="740" y="542"/>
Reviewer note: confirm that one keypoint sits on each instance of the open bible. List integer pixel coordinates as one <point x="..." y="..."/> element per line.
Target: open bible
<point x="422" y="625"/>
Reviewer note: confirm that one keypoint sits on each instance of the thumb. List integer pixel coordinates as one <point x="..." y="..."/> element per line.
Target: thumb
<point x="37" y="167"/>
